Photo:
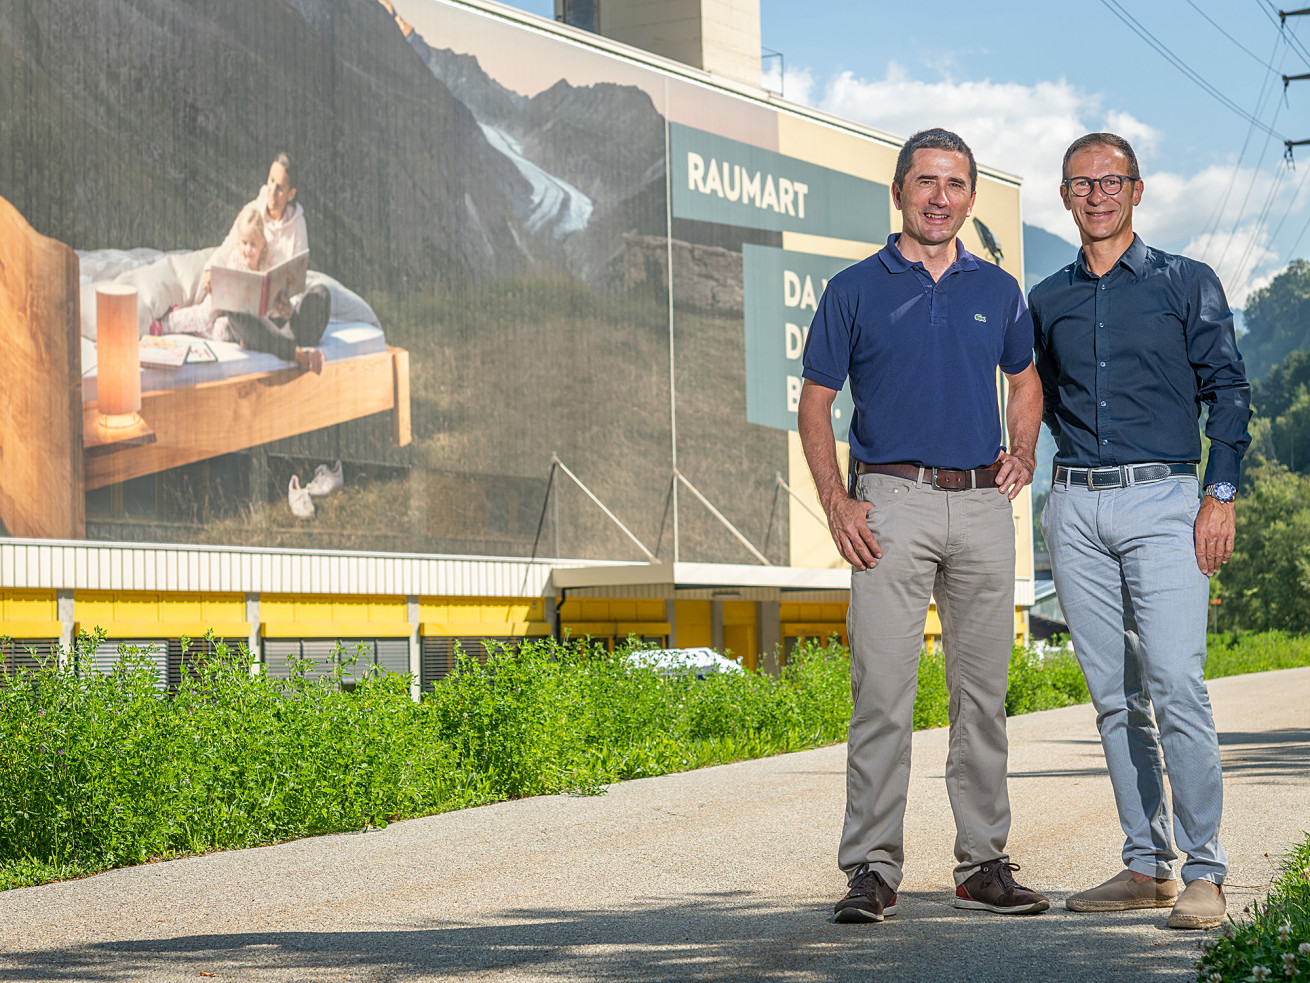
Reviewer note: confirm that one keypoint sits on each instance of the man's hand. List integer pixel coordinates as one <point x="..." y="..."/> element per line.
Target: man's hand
<point x="1015" y="472"/>
<point x="848" y="521"/>
<point x="1216" y="527"/>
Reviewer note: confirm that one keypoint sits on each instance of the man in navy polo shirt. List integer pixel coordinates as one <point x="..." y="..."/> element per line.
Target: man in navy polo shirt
<point x="1130" y="342"/>
<point x="920" y="328"/>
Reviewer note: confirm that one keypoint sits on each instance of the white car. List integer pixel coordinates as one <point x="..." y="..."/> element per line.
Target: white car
<point x="705" y="661"/>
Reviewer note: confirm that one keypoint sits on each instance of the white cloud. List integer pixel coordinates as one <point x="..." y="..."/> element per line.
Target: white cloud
<point x="1025" y="129"/>
<point x="796" y="84"/>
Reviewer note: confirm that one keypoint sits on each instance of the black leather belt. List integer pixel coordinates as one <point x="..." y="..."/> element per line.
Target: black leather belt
<point x="947" y="479"/>
<point x="1124" y="475"/>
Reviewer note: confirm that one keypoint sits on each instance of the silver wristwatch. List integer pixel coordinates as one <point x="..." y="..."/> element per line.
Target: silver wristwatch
<point x="1223" y="491"/>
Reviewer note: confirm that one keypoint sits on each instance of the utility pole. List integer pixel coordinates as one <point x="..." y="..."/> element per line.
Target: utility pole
<point x="1282" y="21"/>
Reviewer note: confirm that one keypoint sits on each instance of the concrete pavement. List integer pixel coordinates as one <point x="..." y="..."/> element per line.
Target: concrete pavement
<point x="722" y="874"/>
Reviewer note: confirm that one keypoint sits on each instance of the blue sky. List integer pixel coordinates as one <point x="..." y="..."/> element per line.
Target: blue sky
<point x="1020" y="79"/>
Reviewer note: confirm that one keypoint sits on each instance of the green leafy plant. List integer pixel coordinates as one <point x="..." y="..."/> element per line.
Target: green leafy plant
<point x="1273" y="943"/>
<point x="100" y="770"/>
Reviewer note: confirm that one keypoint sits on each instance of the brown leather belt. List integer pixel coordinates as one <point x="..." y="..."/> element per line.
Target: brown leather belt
<point x="944" y="478"/>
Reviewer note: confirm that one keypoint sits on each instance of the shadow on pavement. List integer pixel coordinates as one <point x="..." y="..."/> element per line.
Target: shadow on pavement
<point x="718" y="937"/>
<point x="1270" y="754"/>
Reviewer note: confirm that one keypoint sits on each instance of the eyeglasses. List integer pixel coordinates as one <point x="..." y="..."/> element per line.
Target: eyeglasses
<point x="1111" y="184"/>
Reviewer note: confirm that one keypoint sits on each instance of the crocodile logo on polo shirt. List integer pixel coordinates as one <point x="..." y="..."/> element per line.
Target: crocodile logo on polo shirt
<point x="980" y="317"/>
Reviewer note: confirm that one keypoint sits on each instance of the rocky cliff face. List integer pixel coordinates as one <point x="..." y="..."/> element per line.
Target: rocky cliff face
<point x="605" y="140"/>
<point x="150" y="122"/>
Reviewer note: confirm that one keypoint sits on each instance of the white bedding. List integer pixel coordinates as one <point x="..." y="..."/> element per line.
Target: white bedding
<point x="342" y="339"/>
<point x="164" y="280"/>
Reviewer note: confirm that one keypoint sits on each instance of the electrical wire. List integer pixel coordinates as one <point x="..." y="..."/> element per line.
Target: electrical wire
<point x="1212" y="227"/>
<point x="1290" y="37"/>
<point x="1259" y="225"/>
<point x="1212" y="23"/>
<point x="1136" y="27"/>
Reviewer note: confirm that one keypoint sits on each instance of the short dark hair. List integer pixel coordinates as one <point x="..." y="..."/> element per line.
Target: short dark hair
<point x="934" y="139"/>
<point x="1113" y="140"/>
<point x="284" y="159"/>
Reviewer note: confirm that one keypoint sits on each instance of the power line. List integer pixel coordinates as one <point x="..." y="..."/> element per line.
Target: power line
<point x="1249" y="188"/>
<point x="1114" y="7"/>
<point x="1212" y="227"/>
<point x="1259" y="224"/>
<point x="1212" y="23"/>
<point x="1275" y="18"/>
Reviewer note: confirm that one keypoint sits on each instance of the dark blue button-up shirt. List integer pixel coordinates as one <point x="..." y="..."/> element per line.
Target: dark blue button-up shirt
<point x="1127" y="359"/>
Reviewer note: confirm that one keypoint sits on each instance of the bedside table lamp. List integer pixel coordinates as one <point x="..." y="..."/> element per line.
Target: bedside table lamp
<point x="118" y="363"/>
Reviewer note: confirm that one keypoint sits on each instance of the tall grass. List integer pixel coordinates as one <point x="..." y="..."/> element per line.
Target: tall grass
<point x="106" y="770"/>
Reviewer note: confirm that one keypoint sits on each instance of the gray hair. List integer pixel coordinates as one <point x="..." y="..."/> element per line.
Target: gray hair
<point x="934" y="139"/>
<point x="1112" y="140"/>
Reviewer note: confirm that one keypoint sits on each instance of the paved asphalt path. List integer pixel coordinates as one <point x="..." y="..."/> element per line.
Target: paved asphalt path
<point x="721" y="874"/>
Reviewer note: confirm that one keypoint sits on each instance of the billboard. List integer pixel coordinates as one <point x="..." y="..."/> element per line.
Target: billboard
<point x="529" y="247"/>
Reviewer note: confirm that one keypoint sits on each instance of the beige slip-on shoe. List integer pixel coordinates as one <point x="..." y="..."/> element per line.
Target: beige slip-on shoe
<point x="1122" y="893"/>
<point x="1199" y="906"/>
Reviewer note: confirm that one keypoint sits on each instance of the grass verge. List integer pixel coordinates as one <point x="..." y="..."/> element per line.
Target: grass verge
<point x="1274" y="943"/>
<point x="105" y="770"/>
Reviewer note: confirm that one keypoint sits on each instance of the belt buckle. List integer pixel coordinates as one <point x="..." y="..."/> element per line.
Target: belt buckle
<point x="1090" y="485"/>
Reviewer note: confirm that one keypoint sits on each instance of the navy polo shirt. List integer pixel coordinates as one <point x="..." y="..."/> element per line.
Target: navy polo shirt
<point x="921" y="356"/>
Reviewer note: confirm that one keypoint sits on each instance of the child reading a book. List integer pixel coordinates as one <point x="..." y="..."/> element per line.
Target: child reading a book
<point x="254" y="333"/>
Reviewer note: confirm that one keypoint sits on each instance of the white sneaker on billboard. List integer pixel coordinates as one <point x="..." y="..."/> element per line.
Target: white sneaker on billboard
<point x="326" y="480"/>
<point x="302" y="506"/>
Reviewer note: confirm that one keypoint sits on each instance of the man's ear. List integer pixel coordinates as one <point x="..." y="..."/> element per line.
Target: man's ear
<point x="1064" y="197"/>
<point x="1138" y="187"/>
<point x="896" y="195"/>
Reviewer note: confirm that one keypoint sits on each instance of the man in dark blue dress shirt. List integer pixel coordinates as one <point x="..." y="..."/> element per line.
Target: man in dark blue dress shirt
<point x="920" y="328"/>
<point x="1129" y="342"/>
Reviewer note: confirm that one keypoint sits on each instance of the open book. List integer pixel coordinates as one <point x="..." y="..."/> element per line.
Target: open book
<point x="245" y="292"/>
<point x="173" y="351"/>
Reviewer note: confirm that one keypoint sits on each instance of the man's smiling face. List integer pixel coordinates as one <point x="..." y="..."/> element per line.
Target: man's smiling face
<point x="936" y="198"/>
<point x="1101" y="217"/>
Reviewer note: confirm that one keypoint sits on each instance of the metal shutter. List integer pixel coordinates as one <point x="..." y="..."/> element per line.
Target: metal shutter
<point x="26" y="653"/>
<point x="108" y="654"/>
<point x="393" y="655"/>
<point x="436" y="660"/>
<point x="276" y="653"/>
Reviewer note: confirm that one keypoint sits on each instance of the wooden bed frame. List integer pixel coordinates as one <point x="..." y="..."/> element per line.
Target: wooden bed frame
<point x="50" y="455"/>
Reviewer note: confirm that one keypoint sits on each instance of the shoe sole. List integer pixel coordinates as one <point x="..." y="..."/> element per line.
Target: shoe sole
<point x="1029" y="909"/>
<point x="849" y="915"/>
<point x="1195" y="921"/>
<point x="1079" y="905"/>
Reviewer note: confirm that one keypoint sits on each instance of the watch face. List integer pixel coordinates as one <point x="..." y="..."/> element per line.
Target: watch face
<point x="1224" y="491"/>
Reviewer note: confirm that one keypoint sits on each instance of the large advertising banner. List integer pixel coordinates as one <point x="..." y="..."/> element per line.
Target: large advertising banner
<point x="346" y="274"/>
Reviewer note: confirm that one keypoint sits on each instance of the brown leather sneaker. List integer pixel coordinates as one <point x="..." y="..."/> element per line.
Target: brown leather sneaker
<point x="1199" y="906"/>
<point x="868" y="900"/>
<point x="992" y="887"/>
<point x="1123" y="892"/>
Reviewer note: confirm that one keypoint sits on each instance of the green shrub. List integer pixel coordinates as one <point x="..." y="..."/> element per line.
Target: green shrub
<point x="105" y="770"/>
<point x="1274" y="943"/>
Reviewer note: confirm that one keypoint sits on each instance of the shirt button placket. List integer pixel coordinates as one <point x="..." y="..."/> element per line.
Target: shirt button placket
<point x="1099" y="346"/>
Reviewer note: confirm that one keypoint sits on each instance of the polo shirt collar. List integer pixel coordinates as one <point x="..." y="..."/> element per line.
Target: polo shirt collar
<point x="895" y="262"/>
<point x="1134" y="258"/>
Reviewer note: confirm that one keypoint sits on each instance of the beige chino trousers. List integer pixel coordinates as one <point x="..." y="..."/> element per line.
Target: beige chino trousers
<point x="958" y="546"/>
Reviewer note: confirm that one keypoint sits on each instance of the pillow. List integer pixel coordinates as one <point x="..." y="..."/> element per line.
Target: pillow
<point x="157" y="290"/>
<point x="346" y="304"/>
<point x="187" y="268"/>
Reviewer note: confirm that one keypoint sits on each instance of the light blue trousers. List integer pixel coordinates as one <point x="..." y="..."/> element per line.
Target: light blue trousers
<point x="1136" y="603"/>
